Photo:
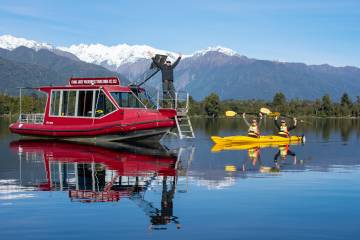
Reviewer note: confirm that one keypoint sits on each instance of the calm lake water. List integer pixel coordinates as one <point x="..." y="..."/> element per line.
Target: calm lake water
<point x="55" y="190"/>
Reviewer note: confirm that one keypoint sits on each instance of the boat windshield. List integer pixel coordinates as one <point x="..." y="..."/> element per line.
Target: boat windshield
<point x="127" y="100"/>
<point x="80" y="103"/>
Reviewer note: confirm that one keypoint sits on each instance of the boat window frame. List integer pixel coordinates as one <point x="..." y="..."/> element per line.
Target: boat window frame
<point x="77" y="103"/>
<point x="121" y="107"/>
<point x="51" y="100"/>
<point x="92" y="102"/>
<point x="110" y="100"/>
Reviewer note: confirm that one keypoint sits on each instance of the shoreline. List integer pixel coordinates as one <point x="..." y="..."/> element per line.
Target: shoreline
<point x="11" y="116"/>
<point x="302" y="117"/>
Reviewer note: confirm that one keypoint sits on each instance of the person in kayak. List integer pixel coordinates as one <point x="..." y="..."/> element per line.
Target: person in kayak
<point x="283" y="129"/>
<point x="254" y="127"/>
<point x="167" y="71"/>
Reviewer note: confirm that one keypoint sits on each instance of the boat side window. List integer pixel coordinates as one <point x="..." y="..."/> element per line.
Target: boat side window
<point x="85" y="103"/>
<point x="68" y="103"/>
<point x="103" y="105"/>
<point x="55" y="103"/>
<point x="127" y="100"/>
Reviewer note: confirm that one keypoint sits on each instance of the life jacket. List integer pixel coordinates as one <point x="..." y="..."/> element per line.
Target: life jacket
<point x="283" y="131"/>
<point x="253" y="153"/>
<point x="284" y="150"/>
<point x="254" y="131"/>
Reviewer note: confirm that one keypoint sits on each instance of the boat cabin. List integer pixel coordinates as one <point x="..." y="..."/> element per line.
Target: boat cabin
<point x="89" y="98"/>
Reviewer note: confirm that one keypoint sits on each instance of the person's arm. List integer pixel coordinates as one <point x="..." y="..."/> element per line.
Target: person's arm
<point x="260" y="120"/>
<point x="293" y="126"/>
<point x="276" y="123"/>
<point x="176" y="62"/>
<point x="246" y="121"/>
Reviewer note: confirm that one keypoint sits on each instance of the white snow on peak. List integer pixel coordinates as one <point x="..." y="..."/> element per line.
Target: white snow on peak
<point x="114" y="55"/>
<point x="10" y="42"/>
<point x="120" y="54"/>
<point x="224" y="50"/>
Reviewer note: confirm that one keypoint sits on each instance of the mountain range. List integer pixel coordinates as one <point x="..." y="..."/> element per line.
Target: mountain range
<point x="215" y="69"/>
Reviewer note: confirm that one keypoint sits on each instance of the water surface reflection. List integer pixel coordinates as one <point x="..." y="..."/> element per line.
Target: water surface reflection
<point x="93" y="174"/>
<point x="73" y="191"/>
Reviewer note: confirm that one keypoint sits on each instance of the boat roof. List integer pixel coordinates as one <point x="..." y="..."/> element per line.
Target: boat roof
<point x="75" y="83"/>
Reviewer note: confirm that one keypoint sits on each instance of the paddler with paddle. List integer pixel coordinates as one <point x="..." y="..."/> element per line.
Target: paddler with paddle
<point x="254" y="127"/>
<point x="283" y="129"/>
<point x="253" y="131"/>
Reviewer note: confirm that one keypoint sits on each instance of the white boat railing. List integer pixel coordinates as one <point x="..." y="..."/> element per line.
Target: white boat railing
<point x="180" y="102"/>
<point x="36" y="118"/>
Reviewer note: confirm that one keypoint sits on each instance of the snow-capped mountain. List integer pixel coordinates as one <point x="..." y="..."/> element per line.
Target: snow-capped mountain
<point x="116" y="55"/>
<point x="219" y="49"/>
<point x="112" y="57"/>
<point x="214" y="69"/>
<point x="120" y="57"/>
<point x="124" y="54"/>
<point x="10" y="42"/>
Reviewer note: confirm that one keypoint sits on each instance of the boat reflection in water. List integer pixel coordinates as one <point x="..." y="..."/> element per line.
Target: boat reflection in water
<point x="107" y="174"/>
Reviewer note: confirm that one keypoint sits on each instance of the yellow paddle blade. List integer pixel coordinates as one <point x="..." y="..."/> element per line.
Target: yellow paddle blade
<point x="230" y="168"/>
<point x="230" y="113"/>
<point x="265" y="111"/>
<point x="274" y="114"/>
<point x="264" y="169"/>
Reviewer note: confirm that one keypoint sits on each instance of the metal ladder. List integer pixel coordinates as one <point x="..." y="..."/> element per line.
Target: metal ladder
<point x="184" y="126"/>
<point x="181" y="105"/>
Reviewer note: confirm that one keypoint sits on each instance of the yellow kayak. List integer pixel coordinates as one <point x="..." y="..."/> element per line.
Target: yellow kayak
<point x="261" y="139"/>
<point x="246" y="146"/>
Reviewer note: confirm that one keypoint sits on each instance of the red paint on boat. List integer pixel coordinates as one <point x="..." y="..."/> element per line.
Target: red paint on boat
<point x="121" y="121"/>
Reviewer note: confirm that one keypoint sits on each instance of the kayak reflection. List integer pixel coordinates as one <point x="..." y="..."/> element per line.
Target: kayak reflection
<point x="254" y="156"/>
<point x="107" y="174"/>
<point x="247" y="146"/>
<point x="283" y="152"/>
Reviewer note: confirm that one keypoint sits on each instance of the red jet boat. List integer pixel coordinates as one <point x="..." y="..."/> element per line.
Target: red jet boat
<point x="96" y="109"/>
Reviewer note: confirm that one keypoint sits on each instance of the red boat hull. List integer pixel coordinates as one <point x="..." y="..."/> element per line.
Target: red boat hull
<point x="94" y="130"/>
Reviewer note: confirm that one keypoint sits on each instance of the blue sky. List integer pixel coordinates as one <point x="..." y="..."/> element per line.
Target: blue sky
<point x="310" y="31"/>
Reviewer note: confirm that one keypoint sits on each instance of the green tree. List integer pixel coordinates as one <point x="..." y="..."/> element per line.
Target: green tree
<point x="357" y="99"/>
<point x="317" y="107"/>
<point x="346" y="105"/>
<point x="279" y="103"/>
<point x="194" y="107"/>
<point x="345" y="100"/>
<point x="326" y="105"/>
<point x="212" y="105"/>
<point x="279" y="99"/>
